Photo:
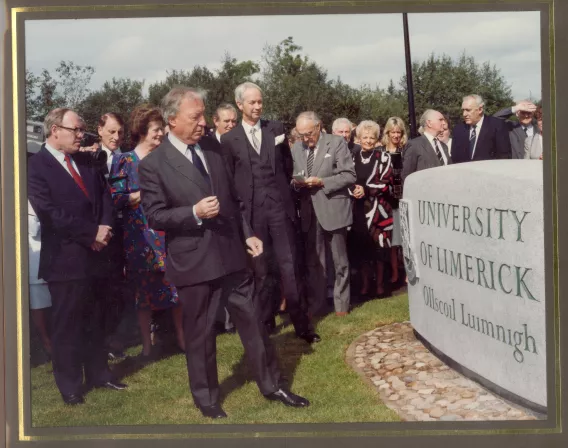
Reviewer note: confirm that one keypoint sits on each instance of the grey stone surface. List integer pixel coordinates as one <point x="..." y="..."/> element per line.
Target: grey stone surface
<point x="476" y="238"/>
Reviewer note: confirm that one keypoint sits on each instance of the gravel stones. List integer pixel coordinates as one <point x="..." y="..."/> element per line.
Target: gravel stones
<point x="420" y="387"/>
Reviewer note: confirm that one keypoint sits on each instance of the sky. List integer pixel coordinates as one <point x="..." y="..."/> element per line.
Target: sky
<point x="360" y="49"/>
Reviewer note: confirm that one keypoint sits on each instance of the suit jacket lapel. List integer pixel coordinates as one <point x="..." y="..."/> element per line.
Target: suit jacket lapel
<point x="210" y="167"/>
<point x="267" y="144"/>
<point x="180" y="163"/>
<point x="66" y="176"/>
<point x="323" y="148"/>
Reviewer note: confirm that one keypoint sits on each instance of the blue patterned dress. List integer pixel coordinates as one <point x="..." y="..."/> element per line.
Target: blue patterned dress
<point x="145" y="248"/>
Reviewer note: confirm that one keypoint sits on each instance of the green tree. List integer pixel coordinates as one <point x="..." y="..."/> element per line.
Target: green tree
<point x="72" y="83"/>
<point x="44" y="97"/>
<point x="118" y="95"/>
<point x="440" y="83"/>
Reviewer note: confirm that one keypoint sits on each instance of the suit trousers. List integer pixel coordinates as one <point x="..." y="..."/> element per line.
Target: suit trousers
<point x="77" y="336"/>
<point x="271" y="224"/>
<point x="317" y="240"/>
<point x="200" y="304"/>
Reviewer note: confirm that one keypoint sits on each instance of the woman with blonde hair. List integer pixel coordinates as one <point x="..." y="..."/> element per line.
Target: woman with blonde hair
<point x="372" y="212"/>
<point x="394" y="141"/>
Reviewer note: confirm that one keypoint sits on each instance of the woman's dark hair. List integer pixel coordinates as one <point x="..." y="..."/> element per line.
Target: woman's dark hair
<point x="140" y="120"/>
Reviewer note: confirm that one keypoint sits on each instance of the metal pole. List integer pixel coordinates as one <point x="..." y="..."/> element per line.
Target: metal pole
<point x="409" y="85"/>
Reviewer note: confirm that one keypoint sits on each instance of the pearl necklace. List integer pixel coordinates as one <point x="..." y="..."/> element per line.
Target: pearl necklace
<point x="368" y="159"/>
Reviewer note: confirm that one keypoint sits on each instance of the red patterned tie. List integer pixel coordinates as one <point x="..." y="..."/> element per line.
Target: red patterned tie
<point x="75" y="175"/>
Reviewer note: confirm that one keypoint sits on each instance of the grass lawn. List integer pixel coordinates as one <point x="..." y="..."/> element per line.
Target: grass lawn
<point x="158" y="393"/>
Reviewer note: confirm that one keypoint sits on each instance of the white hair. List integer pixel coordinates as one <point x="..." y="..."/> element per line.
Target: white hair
<point x="425" y="117"/>
<point x="170" y="103"/>
<point x="478" y="100"/>
<point x="341" y="122"/>
<point x="368" y="125"/>
<point x="309" y="115"/>
<point x="242" y="88"/>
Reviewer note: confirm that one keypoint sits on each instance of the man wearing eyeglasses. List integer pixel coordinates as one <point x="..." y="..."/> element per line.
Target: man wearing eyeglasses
<point x="74" y="206"/>
<point x="323" y="170"/>
<point x="520" y="129"/>
<point x="256" y="156"/>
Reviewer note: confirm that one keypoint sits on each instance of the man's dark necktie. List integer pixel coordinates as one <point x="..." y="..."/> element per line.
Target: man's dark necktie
<point x="310" y="161"/>
<point x="439" y="152"/>
<point x="526" y="130"/>
<point x="198" y="163"/>
<point x="472" y="138"/>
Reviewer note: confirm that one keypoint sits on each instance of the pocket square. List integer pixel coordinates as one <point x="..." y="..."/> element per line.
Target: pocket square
<point x="327" y="155"/>
<point x="279" y="139"/>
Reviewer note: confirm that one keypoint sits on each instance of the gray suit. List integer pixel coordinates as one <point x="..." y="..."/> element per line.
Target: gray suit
<point x="516" y="133"/>
<point x="325" y="214"/>
<point x="420" y="155"/>
<point x="533" y="147"/>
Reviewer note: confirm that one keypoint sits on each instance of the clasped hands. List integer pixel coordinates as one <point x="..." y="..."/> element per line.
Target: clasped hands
<point x="358" y="192"/>
<point x="208" y="208"/>
<point x="310" y="182"/>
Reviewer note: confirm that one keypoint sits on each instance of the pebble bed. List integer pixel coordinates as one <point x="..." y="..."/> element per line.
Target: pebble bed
<point x="418" y="386"/>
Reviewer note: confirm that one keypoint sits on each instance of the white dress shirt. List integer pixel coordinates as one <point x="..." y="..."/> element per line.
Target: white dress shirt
<point x="530" y="129"/>
<point x="247" y="127"/>
<point x="60" y="157"/>
<point x="431" y="140"/>
<point x="109" y="154"/>
<point x="218" y="136"/>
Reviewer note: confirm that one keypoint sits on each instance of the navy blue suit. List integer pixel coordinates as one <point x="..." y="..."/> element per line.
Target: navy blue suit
<point x="492" y="141"/>
<point x="69" y="224"/>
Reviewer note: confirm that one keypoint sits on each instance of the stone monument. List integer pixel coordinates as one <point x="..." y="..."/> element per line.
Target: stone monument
<point x="473" y="245"/>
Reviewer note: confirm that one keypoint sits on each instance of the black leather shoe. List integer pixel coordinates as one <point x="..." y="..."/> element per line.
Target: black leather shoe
<point x="213" y="411"/>
<point x="112" y="385"/>
<point x="73" y="399"/>
<point x="288" y="398"/>
<point x="310" y="337"/>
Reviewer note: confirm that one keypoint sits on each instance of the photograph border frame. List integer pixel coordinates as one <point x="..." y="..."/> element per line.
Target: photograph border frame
<point x="16" y="42"/>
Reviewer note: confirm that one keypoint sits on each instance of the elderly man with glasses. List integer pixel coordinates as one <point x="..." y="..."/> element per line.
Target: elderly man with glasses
<point x="73" y="204"/>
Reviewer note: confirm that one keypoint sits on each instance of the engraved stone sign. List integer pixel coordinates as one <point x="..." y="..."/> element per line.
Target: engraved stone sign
<point x="475" y="231"/>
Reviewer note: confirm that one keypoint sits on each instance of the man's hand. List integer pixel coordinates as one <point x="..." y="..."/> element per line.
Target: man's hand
<point x="97" y="246"/>
<point x="104" y="234"/>
<point x="358" y="192"/>
<point x="524" y="106"/>
<point x="207" y="208"/>
<point x="134" y="199"/>
<point x="254" y="246"/>
<point x="92" y="148"/>
<point x="312" y="182"/>
<point x="296" y="184"/>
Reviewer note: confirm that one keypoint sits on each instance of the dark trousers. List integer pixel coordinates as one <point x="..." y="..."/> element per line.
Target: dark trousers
<point x="77" y="336"/>
<point x="200" y="304"/>
<point x="271" y="224"/>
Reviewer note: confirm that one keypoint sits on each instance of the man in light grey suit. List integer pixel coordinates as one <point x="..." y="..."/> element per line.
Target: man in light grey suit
<point x="323" y="170"/>
<point x="426" y="151"/>
<point x="523" y="128"/>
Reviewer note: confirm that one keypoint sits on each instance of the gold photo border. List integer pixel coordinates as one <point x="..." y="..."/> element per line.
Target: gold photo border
<point x="17" y="16"/>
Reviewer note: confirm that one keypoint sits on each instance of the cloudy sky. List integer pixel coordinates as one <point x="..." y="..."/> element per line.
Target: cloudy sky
<point x="358" y="48"/>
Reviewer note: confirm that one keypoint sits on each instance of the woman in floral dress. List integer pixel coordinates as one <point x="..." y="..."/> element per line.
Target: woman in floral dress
<point x="372" y="210"/>
<point x="145" y="248"/>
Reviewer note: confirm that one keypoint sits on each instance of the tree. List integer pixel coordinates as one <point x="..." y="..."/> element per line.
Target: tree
<point x="440" y="83"/>
<point x="119" y="95"/>
<point x="72" y="83"/>
<point x="45" y="99"/>
<point x="31" y="85"/>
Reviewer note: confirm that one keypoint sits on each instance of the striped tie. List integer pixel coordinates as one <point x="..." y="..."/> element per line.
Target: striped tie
<point x="310" y="161"/>
<point x="255" y="142"/>
<point x="472" y="138"/>
<point x="439" y="152"/>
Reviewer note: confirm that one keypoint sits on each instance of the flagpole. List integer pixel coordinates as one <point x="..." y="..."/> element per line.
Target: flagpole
<point x="409" y="84"/>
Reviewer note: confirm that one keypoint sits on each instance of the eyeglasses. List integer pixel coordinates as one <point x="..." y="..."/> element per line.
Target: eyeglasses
<point x="77" y="131"/>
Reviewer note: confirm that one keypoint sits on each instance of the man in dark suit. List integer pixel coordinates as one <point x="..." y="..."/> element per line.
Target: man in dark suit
<point x="188" y="193"/>
<point x="522" y="129"/>
<point x="73" y="204"/>
<point x="479" y="137"/>
<point x="256" y="159"/>
<point x="426" y="151"/>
